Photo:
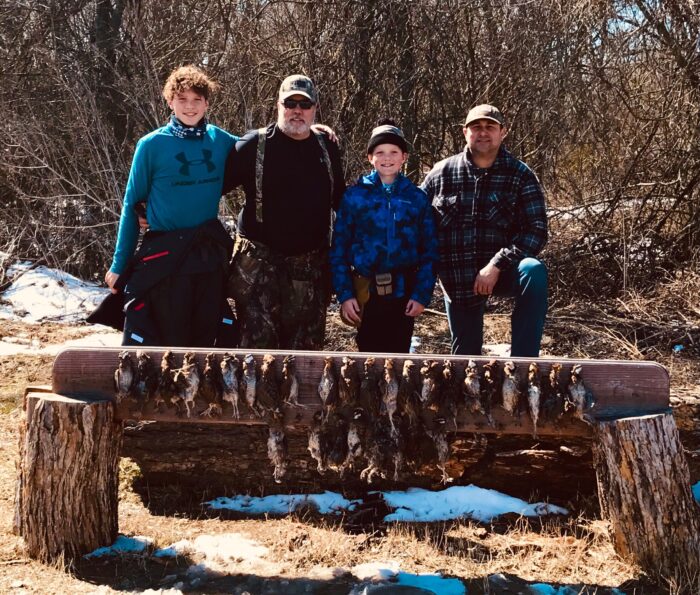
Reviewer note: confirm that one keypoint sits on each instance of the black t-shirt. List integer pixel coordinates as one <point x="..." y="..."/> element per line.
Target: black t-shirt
<point x="297" y="201"/>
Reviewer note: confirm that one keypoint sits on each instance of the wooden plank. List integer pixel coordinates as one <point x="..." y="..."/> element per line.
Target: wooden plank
<point x="621" y="388"/>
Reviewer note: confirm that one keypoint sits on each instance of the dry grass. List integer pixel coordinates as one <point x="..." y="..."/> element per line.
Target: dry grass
<point x="306" y="548"/>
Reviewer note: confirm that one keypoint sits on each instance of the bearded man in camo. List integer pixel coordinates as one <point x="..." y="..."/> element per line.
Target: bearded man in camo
<point x="292" y="177"/>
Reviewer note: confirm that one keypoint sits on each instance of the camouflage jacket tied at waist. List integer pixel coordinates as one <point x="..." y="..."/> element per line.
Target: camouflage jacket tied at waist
<point x="495" y="215"/>
<point x="380" y="231"/>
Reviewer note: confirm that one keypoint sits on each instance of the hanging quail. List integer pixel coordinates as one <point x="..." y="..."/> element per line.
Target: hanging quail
<point x="334" y="441"/>
<point x="390" y="391"/>
<point x="328" y="387"/>
<point x="431" y="376"/>
<point x="277" y="451"/>
<point x="166" y="382"/>
<point x="147" y="377"/>
<point x="418" y="447"/>
<point x="580" y="401"/>
<point x="511" y="391"/>
<point x="187" y="382"/>
<point x="450" y="392"/>
<point x="553" y="405"/>
<point x="357" y="436"/>
<point x="349" y="383"/>
<point x="229" y="381"/>
<point x="211" y="387"/>
<point x="471" y="389"/>
<point x="315" y="448"/>
<point x="385" y="451"/>
<point x="409" y="393"/>
<point x="124" y="377"/>
<point x="534" y="395"/>
<point x="437" y="433"/>
<point x="290" y="382"/>
<point x="248" y="385"/>
<point x="370" y="398"/>
<point x="490" y="388"/>
<point x="268" y="395"/>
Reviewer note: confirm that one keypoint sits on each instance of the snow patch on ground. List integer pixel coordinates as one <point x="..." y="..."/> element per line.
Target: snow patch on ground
<point x="123" y="545"/>
<point x="280" y="504"/>
<point x="45" y="294"/>
<point x="497" y="349"/>
<point x="389" y="572"/>
<point x="545" y="589"/>
<point x="226" y="554"/>
<point x="226" y="546"/>
<point x="420" y="505"/>
<point x="433" y="583"/>
<point x="220" y="555"/>
<point x="379" y="571"/>
<point x="413" y="505"/>
<point x="22" y="345"/>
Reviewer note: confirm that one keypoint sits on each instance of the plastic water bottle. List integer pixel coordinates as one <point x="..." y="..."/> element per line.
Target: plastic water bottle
<point x="415" y="344"/>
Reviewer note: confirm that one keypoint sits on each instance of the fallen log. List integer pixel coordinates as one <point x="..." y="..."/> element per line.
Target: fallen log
<point x="234" y="460"/>
<point x="67" y="489"/>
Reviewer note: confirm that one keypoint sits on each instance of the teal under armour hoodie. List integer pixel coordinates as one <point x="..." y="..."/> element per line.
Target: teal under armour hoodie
<point x="180" y="179"/>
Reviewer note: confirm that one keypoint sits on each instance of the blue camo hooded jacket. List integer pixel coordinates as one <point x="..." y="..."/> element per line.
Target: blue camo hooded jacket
<point x="380" y="231"/>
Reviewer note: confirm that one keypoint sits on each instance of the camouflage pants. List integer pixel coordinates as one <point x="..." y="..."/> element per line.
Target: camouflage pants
<point x="281" y="301"/>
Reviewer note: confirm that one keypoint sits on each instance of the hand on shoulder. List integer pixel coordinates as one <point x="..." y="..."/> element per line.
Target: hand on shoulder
<point x="326" y="130"/>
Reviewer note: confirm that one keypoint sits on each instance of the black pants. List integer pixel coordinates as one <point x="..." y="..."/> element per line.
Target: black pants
<point x="385" y="327"/>
<point x="182" y="310"/>
<point x="187" y="309"/>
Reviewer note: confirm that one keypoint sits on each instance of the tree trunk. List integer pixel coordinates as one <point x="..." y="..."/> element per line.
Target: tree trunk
<point x="67" y="490"/>
<point x="644" y="490"/>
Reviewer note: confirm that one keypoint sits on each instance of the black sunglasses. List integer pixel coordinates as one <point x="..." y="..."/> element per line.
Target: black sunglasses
<point x="302" y="103"/>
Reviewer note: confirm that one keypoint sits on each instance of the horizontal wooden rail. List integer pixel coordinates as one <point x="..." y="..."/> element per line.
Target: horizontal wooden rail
<point x="620" y="388"/>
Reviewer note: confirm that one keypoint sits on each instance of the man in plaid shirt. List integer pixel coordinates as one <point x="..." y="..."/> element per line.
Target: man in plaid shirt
<point x="491" y="221"/>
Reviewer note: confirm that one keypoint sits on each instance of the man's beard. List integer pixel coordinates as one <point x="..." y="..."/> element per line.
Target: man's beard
<point x="294" y="128"/>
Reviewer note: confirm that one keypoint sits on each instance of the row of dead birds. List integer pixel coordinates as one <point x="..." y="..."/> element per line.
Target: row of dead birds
<point x="379" y="420"/>
<point x="220" y="382"/>
<point x="263" y="390"/>
<point x="389" y="421"/>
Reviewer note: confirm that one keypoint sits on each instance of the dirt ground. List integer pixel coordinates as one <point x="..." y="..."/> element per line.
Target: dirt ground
<point x="312" y="554"/>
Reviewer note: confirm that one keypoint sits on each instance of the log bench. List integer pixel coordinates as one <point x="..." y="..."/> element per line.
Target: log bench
<point x="67" y="489"/>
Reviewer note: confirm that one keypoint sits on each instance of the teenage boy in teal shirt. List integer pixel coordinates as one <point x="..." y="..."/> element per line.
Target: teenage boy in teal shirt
<point x="175" y="290"/>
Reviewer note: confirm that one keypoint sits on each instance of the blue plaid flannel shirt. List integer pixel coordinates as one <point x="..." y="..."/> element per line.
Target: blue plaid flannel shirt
<point x="495" y="215"/>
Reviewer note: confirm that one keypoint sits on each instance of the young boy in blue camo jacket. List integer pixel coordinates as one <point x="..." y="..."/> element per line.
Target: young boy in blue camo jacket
<point x="384" y="235"/>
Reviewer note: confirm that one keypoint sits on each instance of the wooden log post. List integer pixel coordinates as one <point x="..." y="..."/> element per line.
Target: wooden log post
<point x="644" y="491"/>
<point x="67" y="490"/>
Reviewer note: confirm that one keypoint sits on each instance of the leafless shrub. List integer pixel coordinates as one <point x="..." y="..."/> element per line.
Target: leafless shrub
<point x="602" y="100"/>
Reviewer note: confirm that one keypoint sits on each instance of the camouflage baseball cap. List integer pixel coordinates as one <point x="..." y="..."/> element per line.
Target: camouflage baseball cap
<point x="298" y="84"/>
<point x="485" y="112"/>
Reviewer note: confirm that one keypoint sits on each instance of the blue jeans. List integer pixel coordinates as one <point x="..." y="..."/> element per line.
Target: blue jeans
<point x="528" y="284"/>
